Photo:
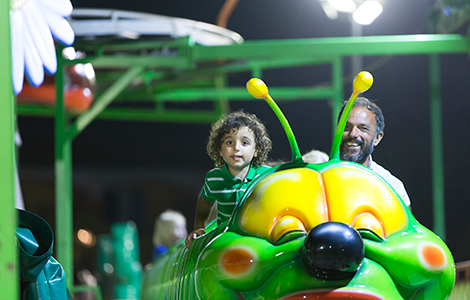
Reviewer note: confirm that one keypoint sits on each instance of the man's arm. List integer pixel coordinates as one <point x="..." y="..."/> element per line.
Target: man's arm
<point x="203" y="211"/>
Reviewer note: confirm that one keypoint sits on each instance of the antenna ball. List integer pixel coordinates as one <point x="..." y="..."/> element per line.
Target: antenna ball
<point x="363" y="82"/>
<point x="257" y="88"/>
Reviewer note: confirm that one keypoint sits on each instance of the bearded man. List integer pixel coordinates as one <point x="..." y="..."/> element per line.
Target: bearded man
<point x="363" y="132"/>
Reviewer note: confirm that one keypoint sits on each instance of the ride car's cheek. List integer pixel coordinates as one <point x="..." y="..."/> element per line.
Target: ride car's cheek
<point x="236" y="261"/>
<point x="359" y="198"/>
<point x="432" y="256"/>
<point x="285" y="201"/>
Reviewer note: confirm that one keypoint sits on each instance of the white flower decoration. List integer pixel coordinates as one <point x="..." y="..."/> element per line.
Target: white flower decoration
<point x="34" y="26"/>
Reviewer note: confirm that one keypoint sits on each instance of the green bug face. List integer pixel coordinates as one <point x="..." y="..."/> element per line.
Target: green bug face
<point x="261" y="253"/>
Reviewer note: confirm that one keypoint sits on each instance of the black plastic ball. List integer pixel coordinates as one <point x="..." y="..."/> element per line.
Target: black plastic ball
<point x="333" y="251"/>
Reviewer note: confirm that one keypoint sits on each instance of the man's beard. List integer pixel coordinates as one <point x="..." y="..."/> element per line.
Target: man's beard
<point x="363" y="154"/>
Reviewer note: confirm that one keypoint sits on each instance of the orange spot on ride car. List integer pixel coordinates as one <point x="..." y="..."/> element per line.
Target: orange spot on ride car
<point x="433" y="255"/>
<point x="237" y="261"/>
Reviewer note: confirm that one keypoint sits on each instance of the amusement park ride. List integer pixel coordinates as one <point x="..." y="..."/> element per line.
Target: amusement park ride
<point x="379" y="250"/>
<point x="334" y="230"/>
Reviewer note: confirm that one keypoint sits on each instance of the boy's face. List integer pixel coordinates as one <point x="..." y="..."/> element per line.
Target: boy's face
<point x="238" y="149"/>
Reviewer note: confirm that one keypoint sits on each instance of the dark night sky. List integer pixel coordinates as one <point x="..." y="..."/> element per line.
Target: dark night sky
<point x="401" y="87"/>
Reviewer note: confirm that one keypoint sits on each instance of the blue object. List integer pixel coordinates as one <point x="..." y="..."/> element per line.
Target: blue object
<point x="158" y="250"/>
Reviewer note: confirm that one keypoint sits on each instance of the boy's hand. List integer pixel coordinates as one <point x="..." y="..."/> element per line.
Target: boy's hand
<point x="193" y="235"/>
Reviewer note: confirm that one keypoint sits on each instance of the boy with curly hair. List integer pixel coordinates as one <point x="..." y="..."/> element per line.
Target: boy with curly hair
<point x="238" y="145"/>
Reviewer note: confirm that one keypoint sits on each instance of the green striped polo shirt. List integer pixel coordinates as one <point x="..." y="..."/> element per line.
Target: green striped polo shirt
<point x="221" y="187"/>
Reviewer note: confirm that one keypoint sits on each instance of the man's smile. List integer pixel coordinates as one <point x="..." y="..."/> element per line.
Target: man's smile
<point x="352" y="146"/>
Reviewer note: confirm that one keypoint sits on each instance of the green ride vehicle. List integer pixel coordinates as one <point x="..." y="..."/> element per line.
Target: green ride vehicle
<point x="333" y="230"/>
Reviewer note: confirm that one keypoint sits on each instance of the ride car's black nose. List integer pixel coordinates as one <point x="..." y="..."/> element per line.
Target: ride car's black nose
<point x="333" y="251"/>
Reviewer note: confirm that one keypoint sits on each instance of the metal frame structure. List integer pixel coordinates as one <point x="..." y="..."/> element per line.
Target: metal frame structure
<point x="179" y="71"/>
<point x="8" y="219"/>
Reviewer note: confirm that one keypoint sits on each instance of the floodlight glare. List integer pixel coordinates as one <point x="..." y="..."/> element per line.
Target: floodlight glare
<point x="330" y="12"/>
<point x="347" y="6"/>
<point x="367" y="12"/>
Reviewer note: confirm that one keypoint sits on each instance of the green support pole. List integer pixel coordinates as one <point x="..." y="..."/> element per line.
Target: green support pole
<point x="8" y="218"/>
<point x="436" y="148"/>
<point x="337" y="66"/>
<point x="221" y="106"/>
<point x="63" y="186"/>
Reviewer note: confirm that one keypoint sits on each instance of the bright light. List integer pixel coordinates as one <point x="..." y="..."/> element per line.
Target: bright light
<point x="87" y="238"/>
<point x="69" y="53"/>
<point x="89" y="72"/>
<point x="367" y="12"/>
<point x="347" y="6"/>
<point x="330" y="12"/>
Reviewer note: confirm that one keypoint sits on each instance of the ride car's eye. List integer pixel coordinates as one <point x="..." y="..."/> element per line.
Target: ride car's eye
<point x="283" y="203"/>
<point x="360" y="198"/>
<point x="368" y="221"/>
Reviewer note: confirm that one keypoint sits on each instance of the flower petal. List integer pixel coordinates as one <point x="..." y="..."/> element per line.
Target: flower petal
<point x="62" y="7"/>
<point x="41" y="36"/>
<point x="17" y="50"/>
<point x="34" y="67"/>
<point x="59" y="27"/>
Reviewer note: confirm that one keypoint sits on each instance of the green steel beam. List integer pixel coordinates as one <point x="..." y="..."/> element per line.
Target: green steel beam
<point x="341" y="46"/>
<point x="256" y="64"/>
<point x="35" y="110"/>
<point x="189" y="116"/>
<point x="106" y="98"/>
<point x="222" y="104"/>
<point x="437" y="147"/>
<point x="63" y="181"/>
<point x="117" y="61"/>
<point x="9" y="280"/>
<point x="338" y="97"/>
<point x="241" y="94"/>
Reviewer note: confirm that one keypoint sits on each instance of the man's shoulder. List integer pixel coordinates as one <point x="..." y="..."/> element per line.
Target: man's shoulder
<point x="396" y="183"/>
<point x="379" y="169"/>
<point x="384" y="173"/>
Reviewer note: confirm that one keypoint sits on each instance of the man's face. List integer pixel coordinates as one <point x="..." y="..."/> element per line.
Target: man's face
<point x="359" y="138"/>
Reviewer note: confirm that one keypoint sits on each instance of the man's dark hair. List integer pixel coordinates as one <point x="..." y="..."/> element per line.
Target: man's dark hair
<point x="372" y="107"/>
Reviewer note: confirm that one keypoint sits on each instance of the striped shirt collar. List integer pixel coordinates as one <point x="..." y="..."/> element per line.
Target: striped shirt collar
<point x="229" y="177"/>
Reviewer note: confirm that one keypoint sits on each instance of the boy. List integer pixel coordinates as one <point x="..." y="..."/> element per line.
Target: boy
<point x="170" y="228"/>
<point x="238" y="145"/>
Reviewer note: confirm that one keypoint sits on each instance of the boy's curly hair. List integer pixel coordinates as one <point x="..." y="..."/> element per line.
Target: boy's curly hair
<point x="236" y="120"/>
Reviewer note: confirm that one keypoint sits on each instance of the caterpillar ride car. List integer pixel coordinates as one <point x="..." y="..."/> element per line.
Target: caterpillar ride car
<point x="334" y="230"/>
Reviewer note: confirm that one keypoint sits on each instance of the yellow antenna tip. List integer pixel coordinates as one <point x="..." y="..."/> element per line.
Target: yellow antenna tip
<point x="257" y="88"/>
<point x="362" y="82"/>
